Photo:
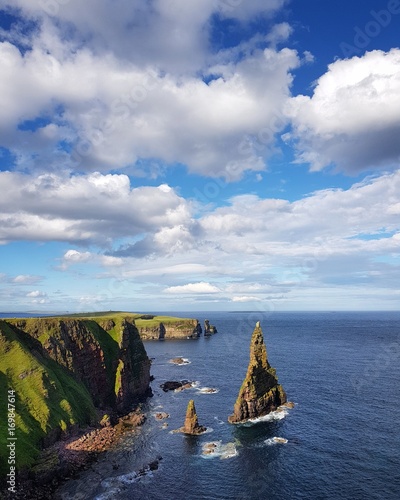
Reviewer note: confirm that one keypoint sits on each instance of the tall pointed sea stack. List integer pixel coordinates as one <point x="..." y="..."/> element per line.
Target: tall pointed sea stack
<point x="191" y="425"/>
<point x="260" y="392"/>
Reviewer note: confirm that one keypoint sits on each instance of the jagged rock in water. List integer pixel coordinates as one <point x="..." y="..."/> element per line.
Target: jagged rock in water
<point x="191" y="425"/>
<point x="209" y="329"/>
<point x="171" y="385"/>
<point x="197" y="331"/>
<point x="260" y="392"/>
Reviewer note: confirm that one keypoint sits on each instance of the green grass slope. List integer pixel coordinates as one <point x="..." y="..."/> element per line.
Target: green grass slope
<point x="48" y="398"/>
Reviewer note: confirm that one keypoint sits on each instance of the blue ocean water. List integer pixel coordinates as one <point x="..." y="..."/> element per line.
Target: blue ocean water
<point x="341" y="369"/>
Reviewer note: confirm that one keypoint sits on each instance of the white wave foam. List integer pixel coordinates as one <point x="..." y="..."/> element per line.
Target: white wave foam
<point x="275" y="440"/>
<point x="278" y="414"/>
<point x="114" y="485"/>
<point x="191" y="385"/>
<point x="110" y="495"/>
<point x="220" y="422"/>
<point x="215" y="449"/>
<point x="114" y="482"/>
<point x="207" y="390"/>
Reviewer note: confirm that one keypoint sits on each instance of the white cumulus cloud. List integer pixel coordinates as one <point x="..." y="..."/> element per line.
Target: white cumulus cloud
<point x="36" y="294"/>
<point x="246" y="298"/>
<point x="193" y="288"/>
<point x="88" y="208"/>
<point x="352" y="120"/>
<point x="142" y="83"/>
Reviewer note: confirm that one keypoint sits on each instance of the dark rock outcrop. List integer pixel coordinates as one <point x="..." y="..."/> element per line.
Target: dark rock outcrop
<point x="133" y="370"/>
<point x="209" y="329"/>
<point x="260" y="392"/>
<point x="171" y="385"/>
<point x="197" y="331"/>
<point x="175" y="385"/>
<point x="191" y="425"/>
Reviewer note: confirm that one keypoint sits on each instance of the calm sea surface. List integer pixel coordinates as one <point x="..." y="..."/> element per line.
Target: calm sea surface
<point x="343" y="442"/>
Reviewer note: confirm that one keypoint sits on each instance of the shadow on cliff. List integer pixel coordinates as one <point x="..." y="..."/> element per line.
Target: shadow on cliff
<point x="48" y="398"/>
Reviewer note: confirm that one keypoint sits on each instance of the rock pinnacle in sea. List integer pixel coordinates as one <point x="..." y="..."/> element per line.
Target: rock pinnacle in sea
<point x="260" y="392"/>
<point x="191" y="425"/>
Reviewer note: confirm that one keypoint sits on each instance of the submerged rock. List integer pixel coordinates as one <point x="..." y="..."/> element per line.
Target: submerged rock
<point x="289" y="404"/>
<point x="171" y="385"/>
<point x="191" y="425"/>
<point x="179" y="361"/>
<point x="260" y="392"/>
<point x="161" y="415"/>
<point x="215" y="449"/>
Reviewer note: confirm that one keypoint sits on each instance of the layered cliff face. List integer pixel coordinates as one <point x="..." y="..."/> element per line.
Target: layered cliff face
<point x="62" y="369"/>
<point x="260" y="392"/>
<point x="133" y="371"/>
<point x="165" y="328"/>
<point x="112" y="364"/>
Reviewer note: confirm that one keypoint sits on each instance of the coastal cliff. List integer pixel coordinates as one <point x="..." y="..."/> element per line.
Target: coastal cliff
<point x="63" y="370"/>
<point x="166" y="328"/>
<point x="260" y="392"/>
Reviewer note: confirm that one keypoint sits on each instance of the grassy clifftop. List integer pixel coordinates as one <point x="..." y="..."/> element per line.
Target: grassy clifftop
<point x="64" y="368"/>
<point x="150" y="327"/>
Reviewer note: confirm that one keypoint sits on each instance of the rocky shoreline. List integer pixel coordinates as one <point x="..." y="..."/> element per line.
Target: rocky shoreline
<point x="72" y="454"/>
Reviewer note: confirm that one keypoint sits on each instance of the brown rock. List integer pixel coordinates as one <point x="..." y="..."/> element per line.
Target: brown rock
<point x="178" y="361"/>
<point x="289" y="404"/>
<point x="191" y="425"/>
<point x="161" y="415"/>
<point x="184" y="387"/>
<point x="260" y="392"/>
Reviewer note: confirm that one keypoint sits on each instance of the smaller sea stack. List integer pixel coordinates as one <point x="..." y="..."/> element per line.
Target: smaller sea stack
<point x="260" y="392"/>
<point x="209" y="329"/>
<point x="191" y="425"/>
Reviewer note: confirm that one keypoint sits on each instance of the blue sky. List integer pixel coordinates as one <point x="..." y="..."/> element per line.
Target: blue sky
<point x="203" y="155"/>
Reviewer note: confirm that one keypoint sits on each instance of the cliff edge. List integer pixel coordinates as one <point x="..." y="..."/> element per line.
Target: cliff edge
<point x="260" y="392"/>
<point x="63" y="370"/>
